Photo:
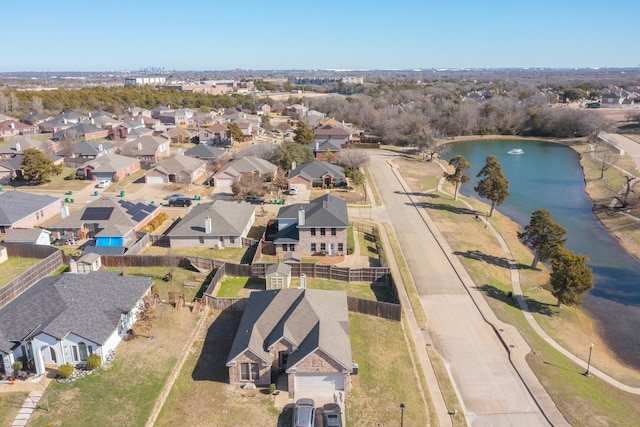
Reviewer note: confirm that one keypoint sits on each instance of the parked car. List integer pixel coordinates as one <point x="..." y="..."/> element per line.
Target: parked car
<point x="104" y="183"/>
<point x="304" y="413"/>
<point x="174" y="196"/>
<point x="256" y="200"/>
<point x="332" y="415"/>
<point x="293" y="190"/>
<point x="180" y="201"/>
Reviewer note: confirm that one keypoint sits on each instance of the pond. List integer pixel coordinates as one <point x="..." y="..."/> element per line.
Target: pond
<point x="549" y="176"/>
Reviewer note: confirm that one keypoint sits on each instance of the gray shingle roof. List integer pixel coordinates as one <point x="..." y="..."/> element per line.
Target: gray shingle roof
<point x="110" y="162"/>
<point x="316" y="170"/>
<point x="179" y="164"/>
<point x="309" y="319"/>
<point x="204" y="151"/>
<point x="248" y="164"/>
<point x="88" y="305"/>
<point x="146" y="145"/>
<point x="325" y="211"/>
<point x="16" y="205"/>
<point x="88" y="148"/>
<point x="24" y="234"/>
<point x="227" y="219"/>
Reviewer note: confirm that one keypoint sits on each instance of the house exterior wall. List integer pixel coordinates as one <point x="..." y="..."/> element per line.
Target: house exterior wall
<point x="205" y="241"/>
<point x="299" y="181"/>
<point x="264" y="370"/>
<point x="40" y="216"/>
<point x="303" y="247"/>
<point x="318" y="362"/>
<point x="274" y="279"/>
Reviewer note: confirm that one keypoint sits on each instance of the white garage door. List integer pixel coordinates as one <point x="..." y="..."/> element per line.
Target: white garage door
<point x="319" y="381"/>
<point x="155" y="179"/>
<point x="223" y="182"/>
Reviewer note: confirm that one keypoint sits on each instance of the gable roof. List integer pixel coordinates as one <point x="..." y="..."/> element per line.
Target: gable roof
<point x="178" y="164"/>
<point x="316" y="170"/>
<point x="309" y="319"/>
<point x="321" y="146"/>
<point x="110" y="162"/>
<point x="325" y="211"/>
<point x="107" y="211"/>
<point x="331" y="130"/>
<point x="88" y="305"/>
<point x="25" y="234"/>
<point x="204" y="151"/>
<point x="90" y="148"/>
<point x="145" y="145"/>
<point x="248" y="164"/>
<point x="16" y="205"/>
<point x="227" y="219"/>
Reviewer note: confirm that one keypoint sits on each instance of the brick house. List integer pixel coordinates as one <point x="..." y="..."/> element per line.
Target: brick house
<point x="147" y="149"/>
<point x="301" y="333"/>
<point x="108" y="167"/>
<point x="26" y="210"/>
<point x="9" y="128"/>
<point x="317" y="173"/>
<point x="315" y="228"/>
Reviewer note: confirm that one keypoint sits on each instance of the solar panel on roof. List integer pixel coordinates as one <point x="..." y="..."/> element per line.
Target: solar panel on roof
<point x="97" y="213"/>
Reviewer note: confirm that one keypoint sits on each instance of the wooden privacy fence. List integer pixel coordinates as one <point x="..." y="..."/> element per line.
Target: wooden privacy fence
<point x="52" y="260"/>
<point x="386" y="310"/>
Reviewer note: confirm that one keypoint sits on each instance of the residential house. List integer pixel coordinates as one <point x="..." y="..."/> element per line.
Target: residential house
<point x="317" y="173"/>
<point x="278" y="276"/>
<point x="20" y="143"/>
<point x="263" y="109"/>
<point x="112" y="222"/>
<point x="205" y="152"/>
<point x="300" y="333"/>
<point x="336" y="133"/>
<point x="296" y="111"/>
<point x="134" y="127"/>
<point x="219" y="224"/>
<point x="34" y="119"/>
<point x="149" y="150"/>
<point x="156" y="112"/>
<point x="59" y="122"/>
<point x="312" y="118"/>
<point x="88" y="150"/>
<point x="179" y="169"/>
<point x="10" y="128"/>
<point x="66" y="318"/>
<point x="247" y="129"/>
<point x="315" y="228"/>
<point x="611" y="99"/>
<point x="329" y="146"/>
<point x="31" y="236"/>
<point x="245" y="166"/>
<point x="78" y="131"/>
<point x="181" y="117"/>
<point x="108" y="167"/>
<point x="216" y="134"/>
<point x="26" y="210"/>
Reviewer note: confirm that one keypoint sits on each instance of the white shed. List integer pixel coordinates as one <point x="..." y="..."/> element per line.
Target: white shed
<point x="278" y="276"/>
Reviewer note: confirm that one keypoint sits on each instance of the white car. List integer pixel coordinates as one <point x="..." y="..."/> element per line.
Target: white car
<point x="293" y="191"/>
<point x="104" y="183"/>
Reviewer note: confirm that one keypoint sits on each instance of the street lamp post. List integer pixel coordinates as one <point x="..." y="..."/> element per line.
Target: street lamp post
<point x="586" y="373"/>
<point x="401" y="414"/>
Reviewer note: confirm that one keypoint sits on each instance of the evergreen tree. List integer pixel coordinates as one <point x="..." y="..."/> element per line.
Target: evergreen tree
<point x="234" y="131"/>
<point x="458" y="177"/>
<point x="571" y="277"/>
<point x="303" y="134"/>
<point x="289" y="151"/>
<point x="37" y="167"/>
<point x="493" y="185"/>
<point x="543" y="236"/>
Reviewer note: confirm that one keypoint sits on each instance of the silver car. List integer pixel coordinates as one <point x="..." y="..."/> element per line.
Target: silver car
<point x="304" y="413"/>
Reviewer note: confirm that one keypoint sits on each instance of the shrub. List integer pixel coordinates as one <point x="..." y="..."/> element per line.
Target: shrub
<point x="272" y="388"/>
<point x="94" y="361"/>
<point x="65" y="370"/>
<point x="351" y="243"/>
<point x="17" y="365"/>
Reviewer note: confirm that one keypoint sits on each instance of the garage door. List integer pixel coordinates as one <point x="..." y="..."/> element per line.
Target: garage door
<point x="155" y="180"/>
<point x="223" y="182"/>
<point x="319" y="381"/>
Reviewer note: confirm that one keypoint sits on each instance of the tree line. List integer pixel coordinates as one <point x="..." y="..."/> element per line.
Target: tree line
<point x="570" y="277"/>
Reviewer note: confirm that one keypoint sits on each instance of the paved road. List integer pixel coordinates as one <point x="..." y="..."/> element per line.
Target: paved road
<point x="489" y="387"/>
<point x="630" y="147"/>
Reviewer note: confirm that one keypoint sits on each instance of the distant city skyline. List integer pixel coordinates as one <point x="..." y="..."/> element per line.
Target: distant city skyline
<point x="332" y="35"/>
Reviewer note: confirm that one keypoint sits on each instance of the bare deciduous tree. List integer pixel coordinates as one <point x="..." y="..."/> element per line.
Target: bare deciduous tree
<point x="263" y="151"/>
<point x="605" y="156"/>
<point x="353" y="158"/>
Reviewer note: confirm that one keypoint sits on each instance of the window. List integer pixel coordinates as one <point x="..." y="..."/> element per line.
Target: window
<point x="323" y="247"/>
<point x="201" y="238"/>
<point x="340" y="247"/>
<point x="313" y="231"/>
<point x="313" y="247"/>
<point x="323" y="231"/>
<point x="249" y="371"/>
<point x="75" y="353"/>
<point x="232" y="240"/>
<point x="333" y="231"/>
<point x="83" y="351"/>
<point x="292" y="247"/>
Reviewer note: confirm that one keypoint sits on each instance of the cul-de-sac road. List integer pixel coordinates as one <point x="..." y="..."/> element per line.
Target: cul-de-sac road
<point x="492" y="390"/>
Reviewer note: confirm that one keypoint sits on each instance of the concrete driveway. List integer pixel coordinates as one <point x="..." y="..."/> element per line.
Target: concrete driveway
<point x="490" y="389"/>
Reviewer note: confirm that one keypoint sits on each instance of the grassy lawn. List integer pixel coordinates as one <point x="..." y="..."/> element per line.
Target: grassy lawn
<point x="123" y="392"/>
<point x="239" y="287"/>
<point x="13" y="267"/>
<point x="57" y="183"/>
<point x="235" y="255"/>
<point x="10" y="405"/>
<point x="583" y="402"/>
<point x="385" y="379"/>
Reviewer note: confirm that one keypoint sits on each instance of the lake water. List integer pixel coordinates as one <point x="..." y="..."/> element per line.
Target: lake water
<point x="548" y="176"/>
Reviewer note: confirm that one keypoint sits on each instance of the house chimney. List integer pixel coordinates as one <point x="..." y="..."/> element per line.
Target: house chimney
<point x="64" y="120"/>
<point x="139" y="146"/>
<point x="301" y="216"/>
<point x="64" y="211"/>
<point x="207" y="225"/>
<point x="317" y="146"/>
<point x="303" y="281"/>
<point x="90" y="116"/>
<point x="141" y="120"/>
<point x="93" y="121"/>
<point x="293" y="164"/>
<point x="100" y="148"/>
<point x="18" y="147"/>
<point x="13" y="125"/>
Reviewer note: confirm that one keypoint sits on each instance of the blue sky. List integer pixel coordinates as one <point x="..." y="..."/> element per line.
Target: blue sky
<point x="70" y="35"/>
